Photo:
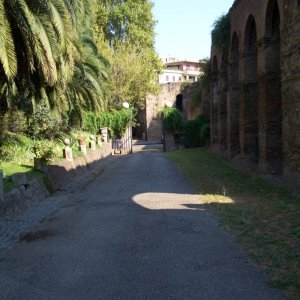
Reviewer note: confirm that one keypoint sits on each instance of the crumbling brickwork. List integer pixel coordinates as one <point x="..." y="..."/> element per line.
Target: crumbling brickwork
<point x="255" y="95"/>
<point x="169" y="95"/>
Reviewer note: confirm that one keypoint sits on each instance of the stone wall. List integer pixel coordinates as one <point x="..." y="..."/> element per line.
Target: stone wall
<point x="19" y="199"/>
<point x="167" y="97"/>
<point x="62" y="174"/>
<point x="154" y="106"/>
<point x="255" y="100"/>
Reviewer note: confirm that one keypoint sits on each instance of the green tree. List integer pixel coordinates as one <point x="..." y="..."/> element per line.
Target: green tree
<point x="128" y="21"/>
<point x="133" y="75"/>
<point x="127" y="27"/>
<point x="46" y="49"/>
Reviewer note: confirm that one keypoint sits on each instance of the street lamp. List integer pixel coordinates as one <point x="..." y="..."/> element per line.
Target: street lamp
<point x="127" y="106"/>
<point x="168" y="104"/>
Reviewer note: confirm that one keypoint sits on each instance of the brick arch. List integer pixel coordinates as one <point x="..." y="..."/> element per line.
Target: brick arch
<point x="249" y="99"/>
<point x="223" y="89"/>
<point x="214" y="101"/>
<point x="272" y="114"/>
<point x="234" y="98"/>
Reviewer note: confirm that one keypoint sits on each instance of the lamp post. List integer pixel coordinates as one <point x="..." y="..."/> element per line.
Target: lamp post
<point x="127" y="106"/>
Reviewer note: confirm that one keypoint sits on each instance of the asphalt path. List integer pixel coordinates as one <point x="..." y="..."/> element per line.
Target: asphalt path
<point x="138" y="231"/>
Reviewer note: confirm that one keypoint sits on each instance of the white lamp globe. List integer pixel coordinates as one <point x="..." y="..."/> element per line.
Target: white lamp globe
<point x="168" y="104"/>
<point x="125" y="104"/>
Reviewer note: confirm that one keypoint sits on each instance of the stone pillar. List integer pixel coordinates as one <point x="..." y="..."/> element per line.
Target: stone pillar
<point x="82" y="146"/>
<point x="67" y="152"/>
<point x="222" y="110"/>
<point x="104" y="133"/>
<point x="99" y="141"/>
<point x="92" y="143"/>
<point x="290" y="66"/>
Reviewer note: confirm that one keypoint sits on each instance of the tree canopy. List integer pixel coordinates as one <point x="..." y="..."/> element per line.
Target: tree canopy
<point x="71" y="56"/>
<point x="127" y="27"/>
<point x="46" y="49"/>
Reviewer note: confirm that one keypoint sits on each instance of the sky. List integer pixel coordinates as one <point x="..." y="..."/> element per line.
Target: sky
<point x="183" y="26"/>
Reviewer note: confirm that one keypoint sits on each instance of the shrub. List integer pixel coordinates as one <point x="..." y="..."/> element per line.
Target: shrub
<point x="46" y="150"/>
<point x="16" y="121"/>
<point x="116" y="120"/>
<point x="196" y="132"/>
<point x="75" y="119"/>
<point x="121" y="119"/>
<point x="173" y="120"/>
<point x="221" y="33"/>
<point x="43" y="124"/>
<point x="90" y="122"/>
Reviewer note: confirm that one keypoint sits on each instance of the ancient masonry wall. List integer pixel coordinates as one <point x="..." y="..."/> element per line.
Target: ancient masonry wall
<point x="154" y="106"/>
<point x="255" y="95"/>
<point x="167" y="97"/>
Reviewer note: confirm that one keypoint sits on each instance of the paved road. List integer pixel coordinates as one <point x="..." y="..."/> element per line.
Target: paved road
<point x="137" y="232"/>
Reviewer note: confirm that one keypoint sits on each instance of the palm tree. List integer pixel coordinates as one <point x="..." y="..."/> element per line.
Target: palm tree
<point x="46" y="52"/>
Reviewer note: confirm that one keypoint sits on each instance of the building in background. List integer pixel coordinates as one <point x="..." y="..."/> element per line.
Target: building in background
<point x="179" y="70"/>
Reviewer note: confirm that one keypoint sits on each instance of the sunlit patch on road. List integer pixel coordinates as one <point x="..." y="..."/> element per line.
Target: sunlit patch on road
<point x="159" y="201"/>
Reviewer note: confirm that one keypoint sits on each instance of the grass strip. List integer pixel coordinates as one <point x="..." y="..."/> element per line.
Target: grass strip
<point x="264" y="217"/>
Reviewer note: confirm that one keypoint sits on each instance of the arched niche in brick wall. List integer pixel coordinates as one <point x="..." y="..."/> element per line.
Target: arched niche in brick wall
<point x="223" y="88"/>
<point x="272" y="93"/>
<point x="214" y="102"/>
<point x="249" y="103"/>
<point x="234" y="98"/>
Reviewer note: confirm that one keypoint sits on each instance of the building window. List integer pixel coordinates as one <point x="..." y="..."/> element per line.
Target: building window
<point x="179" y="78"/>
<point x="173" y="78"/>
<point x="167" y="78"/>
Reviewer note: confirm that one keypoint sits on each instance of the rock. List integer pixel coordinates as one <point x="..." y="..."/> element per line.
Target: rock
<point x="20" y="178"/>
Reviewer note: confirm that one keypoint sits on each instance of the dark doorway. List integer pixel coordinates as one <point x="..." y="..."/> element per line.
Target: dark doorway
<point x="179" y="102"/>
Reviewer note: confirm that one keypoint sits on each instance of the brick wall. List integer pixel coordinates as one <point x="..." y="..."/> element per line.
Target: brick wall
<point x="255" y="99"/>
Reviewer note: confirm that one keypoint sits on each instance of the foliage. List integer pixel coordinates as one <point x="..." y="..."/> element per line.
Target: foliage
<point x="116" y="120"/>
<point x="121" y="119"/>
<point x="173" y="120"/>
<point x="133" y="75"/>
<point x="196" y="132"/>
<point x="16" y="121"/>
<point x="221" y="33"/>
<point x="43" y="124"/>
<point x="205" y="80"/>
<point x="46" y="150"/>
<point x="206" y="74"/>
<point x="128" y="21"/>
<point x="125" y="29"/>
<point x="16" y="149"/>
<point x="48" y="53"/>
